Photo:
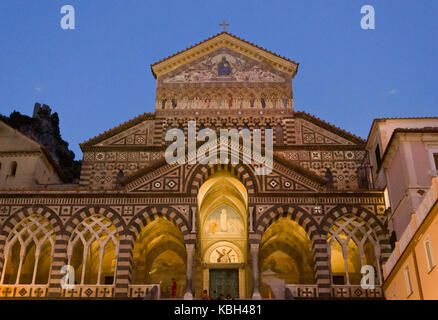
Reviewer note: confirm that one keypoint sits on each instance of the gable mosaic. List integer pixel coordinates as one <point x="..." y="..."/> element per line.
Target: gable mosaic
<point x="224" y="65"/>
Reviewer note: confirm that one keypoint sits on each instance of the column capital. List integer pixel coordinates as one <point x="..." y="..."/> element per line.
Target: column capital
<point x="254" y="247"/>
<point x="190" y="247"/>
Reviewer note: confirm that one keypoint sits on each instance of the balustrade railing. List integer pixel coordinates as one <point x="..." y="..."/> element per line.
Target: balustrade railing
<point x="356" y="292"/>
<point x="141" y="291"/>
<point x="23" y="291"/>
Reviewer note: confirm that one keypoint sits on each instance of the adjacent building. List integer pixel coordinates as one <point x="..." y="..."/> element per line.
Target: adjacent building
<point x="404" y="160"/>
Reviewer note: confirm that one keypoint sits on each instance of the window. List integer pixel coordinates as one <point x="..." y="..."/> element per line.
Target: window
<point x="285" y="102"/>
<point x="279" y="135"/>
<point x="386" y="197"/>
<point x="92" y="250"/>
<point x="378" y="157"/>
<point x="435" y="159"/>
<point x="329" y="177"/>
<point x="13" y="168"/>
<point x="408" y="281"/>
<point x="429" y="254"/>
<point x="120" y="176"/>
<point x="393" y="240"/>
<point x="351" y="243"/>
<point x="28" y="252"/>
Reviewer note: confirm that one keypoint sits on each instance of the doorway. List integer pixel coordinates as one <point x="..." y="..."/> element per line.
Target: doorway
<point x="224" y="281"/>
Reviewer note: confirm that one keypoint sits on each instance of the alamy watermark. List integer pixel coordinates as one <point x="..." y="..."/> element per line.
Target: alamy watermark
<point x="182" y="150"/>
<point x="68" y="20"/>
<point x="68" y="280"/>
<point x="368" y="21"/>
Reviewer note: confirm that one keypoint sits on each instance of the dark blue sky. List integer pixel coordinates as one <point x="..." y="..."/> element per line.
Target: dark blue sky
<point x="98" y="75"/>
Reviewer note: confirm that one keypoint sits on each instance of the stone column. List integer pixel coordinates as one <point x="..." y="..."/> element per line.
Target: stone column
<point x="59" y="259"/>
<point x="251" y="222"/>
<point x="255" y="271"/>
<point x="193" y="220"/>
<point x="321" y="258"/>
<point x="190" y="248"/>
<point x="124" y="262"/>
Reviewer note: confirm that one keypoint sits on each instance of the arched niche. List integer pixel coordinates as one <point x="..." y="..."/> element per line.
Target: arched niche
<point x="286" y="253"/>
<point x="223" y="207"/>
<point x="222" y="203"/>
<point x="159" y="256"/>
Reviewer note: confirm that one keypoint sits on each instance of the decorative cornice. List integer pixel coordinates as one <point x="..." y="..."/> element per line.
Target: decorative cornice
<point x="395" y="137"/>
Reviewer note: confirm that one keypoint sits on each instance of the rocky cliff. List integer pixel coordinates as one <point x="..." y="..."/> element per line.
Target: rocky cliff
<point x="43" y="127"/>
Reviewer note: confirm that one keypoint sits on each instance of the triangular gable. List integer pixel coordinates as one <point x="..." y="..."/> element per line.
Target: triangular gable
<point x="224" y="65"/>
<point x="14" y="140"/>
<point x="224" y="40"/>
<point x="140" y="134"/>
<point x="311" y="130"/>
<point x="165" y="178"/>
<point x="133" y="132"/>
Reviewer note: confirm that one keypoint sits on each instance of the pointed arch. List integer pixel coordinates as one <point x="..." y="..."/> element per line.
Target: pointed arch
<point x="150" y="213"/>
<point x="28" y="251"/>
<point x="364" y="214"/>
<point x="88" y="211"/>
<point x="21" y="214"/>
<point x="200" y="173"/>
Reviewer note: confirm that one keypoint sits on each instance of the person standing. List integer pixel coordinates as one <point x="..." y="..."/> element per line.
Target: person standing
<point x="204" y="295"/>
<point x="173" y="293"/>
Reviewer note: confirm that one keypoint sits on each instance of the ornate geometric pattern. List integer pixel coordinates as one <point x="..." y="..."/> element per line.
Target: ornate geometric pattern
<point x="33" y="231"/>
<point x="97" y="231"/>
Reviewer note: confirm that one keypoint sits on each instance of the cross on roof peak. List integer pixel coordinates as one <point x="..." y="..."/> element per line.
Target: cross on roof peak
<point x="224" y="24"/>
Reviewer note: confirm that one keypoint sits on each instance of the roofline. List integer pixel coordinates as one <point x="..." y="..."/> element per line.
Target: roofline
<point x="44" y="150"/>
<point x="117" y="129"/>
<point x="331" y="127"/>
<point x="53" y="163"/>
<point x="299" y="169"/>
<point x="395" y="118"/>
<point x="405" y="131"/>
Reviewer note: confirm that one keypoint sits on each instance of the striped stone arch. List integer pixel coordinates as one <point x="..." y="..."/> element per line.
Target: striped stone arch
<point x="149" y="214"/>
<point x="201" y="172"/>
<point x="319" y="247"/>
<point x="86" y="212"/>
<point x="126" y="249"/>
<point x="60" y="257"/>
<point x="295" y="213"/>
<point x="364" y="214"/>
<point x="21" y="214"/>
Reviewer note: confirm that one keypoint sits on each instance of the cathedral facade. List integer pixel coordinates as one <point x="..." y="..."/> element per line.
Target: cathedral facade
<point x="138" y="226"/>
